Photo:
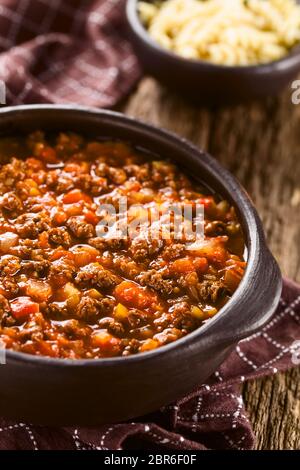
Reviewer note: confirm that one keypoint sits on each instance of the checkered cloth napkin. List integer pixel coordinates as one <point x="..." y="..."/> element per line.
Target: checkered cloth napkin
<point x="212" y="417"/>
<point x="65" y="51"/>
<point x="72" y="51"/>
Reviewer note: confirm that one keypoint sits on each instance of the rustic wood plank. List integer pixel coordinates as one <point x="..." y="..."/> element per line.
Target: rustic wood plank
<point x="260" y="144"/>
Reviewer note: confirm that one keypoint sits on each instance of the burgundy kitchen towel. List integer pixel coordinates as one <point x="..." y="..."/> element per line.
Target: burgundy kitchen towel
<point x="213" y="417"/>
<point x="65" y="51"/>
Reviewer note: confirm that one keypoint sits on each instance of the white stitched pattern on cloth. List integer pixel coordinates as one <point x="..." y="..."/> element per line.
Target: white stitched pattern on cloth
<point x="289" y="308"/>
<point x="195" y="416"/>
<point x="237" y="413"/>
<point x="104" y="436"/>
<point x="243" y="356"/>
<point x="80" y="445"/>
<point x="84" y="75"/>
<point x="31" y="436"/>
<point x="165" y="440"/>
<point x="272" y="341"/>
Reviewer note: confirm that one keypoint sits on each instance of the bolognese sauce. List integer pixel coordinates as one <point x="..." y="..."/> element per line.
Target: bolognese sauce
<point x="68" y="292"/>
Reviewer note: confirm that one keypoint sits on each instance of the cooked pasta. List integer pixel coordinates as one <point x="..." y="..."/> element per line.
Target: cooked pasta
<point x="228" y="32"/>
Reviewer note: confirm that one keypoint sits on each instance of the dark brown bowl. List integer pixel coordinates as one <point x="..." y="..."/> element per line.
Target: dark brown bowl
<point x="62" y="391"/>
<point x="204" y="81"/>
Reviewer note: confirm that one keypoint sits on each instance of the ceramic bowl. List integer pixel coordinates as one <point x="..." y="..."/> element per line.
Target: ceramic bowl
<point x="62" y="391"/>
<point x="206" y="82"/>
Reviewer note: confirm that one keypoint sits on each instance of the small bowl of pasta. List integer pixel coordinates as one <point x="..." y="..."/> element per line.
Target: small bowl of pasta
<point x="218" y="50"/>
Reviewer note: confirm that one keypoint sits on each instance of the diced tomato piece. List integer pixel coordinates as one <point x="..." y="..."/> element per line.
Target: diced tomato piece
<point x="44" y="240"/>
<point x="219" y="255"/>
<point x="134" y="295"/>
<point x="76" y="167"/>
<point x="23" y="307"/>
<point x="40" y="291"/>
<point x="45" y="153"/>
<point x="201" y="264"/>
<point x="108" y="344"/>
<point x="207" y="202"/>
<point x="91" y="217"/>
<point x="59" y="217"/>
<point x="3" y="291"/>
<point x="45" y="348"/>
<point x="188" y="265"/>
<point x="76" y="196"/>
<point x="57" y="254"/>
<point x="73" y="209"/>
<point x="106" y="261"/>
<point x="182" y="266"/>
<point x="49" y="155"/>
<point x="242" y="264"/>
<point x="232" y="279"/>
<point x="209" y="205"/>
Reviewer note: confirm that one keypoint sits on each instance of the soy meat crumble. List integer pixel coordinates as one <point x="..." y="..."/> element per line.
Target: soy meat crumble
<point x="66" y="292"/>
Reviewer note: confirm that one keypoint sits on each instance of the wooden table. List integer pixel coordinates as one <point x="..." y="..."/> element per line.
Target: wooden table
<point x="260" y="144"/>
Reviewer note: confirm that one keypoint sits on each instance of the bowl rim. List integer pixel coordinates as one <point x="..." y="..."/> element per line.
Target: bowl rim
<point x="136" y="25"/>
<point x="252" y="227"/>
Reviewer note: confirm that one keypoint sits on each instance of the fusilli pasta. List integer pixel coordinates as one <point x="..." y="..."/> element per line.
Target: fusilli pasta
<point x="228" y="32"/>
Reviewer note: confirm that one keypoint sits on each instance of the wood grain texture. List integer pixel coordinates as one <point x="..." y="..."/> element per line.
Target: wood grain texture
<point x="260" y="144"/>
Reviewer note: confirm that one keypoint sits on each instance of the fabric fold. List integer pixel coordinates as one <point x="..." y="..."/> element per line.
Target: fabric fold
<point x="66" y="51"/>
